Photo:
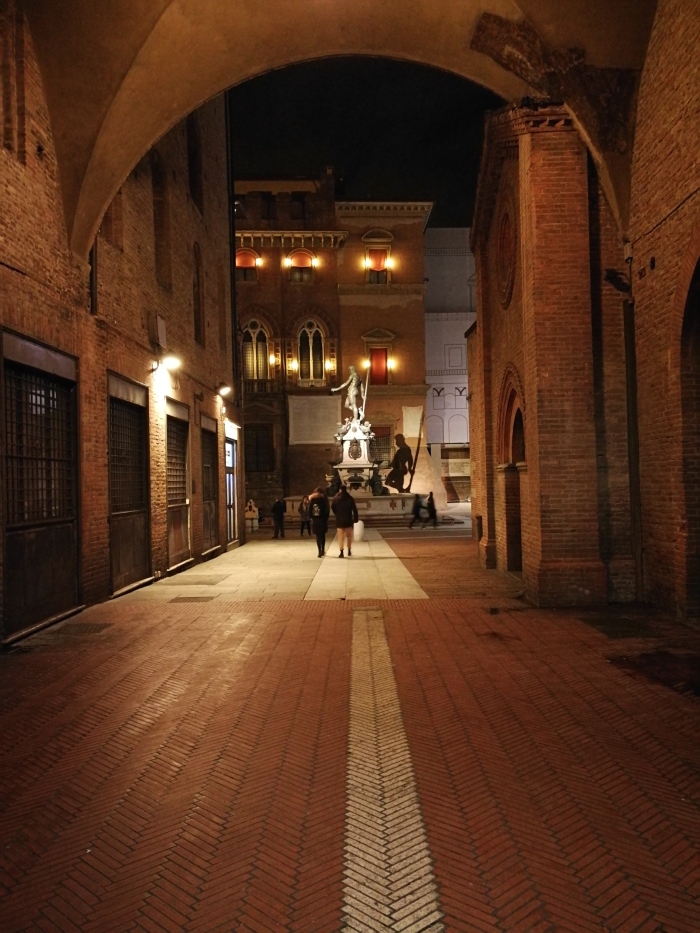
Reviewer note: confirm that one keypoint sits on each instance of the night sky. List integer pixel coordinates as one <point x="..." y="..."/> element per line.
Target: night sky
<point x="390" y="129"/>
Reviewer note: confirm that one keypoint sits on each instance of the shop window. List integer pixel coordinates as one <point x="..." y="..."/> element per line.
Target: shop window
<point x="311" y="360"/>
<point x="255" y="352"/>
<point x="259" y="448"/>
<point x="247" y="262"/>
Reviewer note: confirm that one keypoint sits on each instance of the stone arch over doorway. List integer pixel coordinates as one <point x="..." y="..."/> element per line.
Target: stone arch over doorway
<point x="114" y="85"/>
<point x="690" y="440"/>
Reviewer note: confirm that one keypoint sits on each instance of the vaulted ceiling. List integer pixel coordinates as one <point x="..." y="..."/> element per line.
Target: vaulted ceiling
<point x="118" y="74"/>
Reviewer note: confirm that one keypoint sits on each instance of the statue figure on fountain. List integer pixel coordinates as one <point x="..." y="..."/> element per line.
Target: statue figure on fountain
<point x="355" y="389"/>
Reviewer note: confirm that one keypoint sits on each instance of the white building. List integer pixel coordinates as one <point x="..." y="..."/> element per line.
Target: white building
<point x="450" y="308"/>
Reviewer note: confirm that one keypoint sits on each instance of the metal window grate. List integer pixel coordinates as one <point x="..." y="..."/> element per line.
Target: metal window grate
<point x="380" y="444"/>
<point x="127" y="456"/>
<point x="177" y="462"/>
<point x="209" y="470"/>
<point x="40" y="446"/>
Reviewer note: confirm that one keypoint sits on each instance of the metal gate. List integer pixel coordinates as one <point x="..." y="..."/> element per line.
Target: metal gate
<point x="41" y="538"/>
<point x="128" y="493"/>
<point x="210" y="490"/>
<point x="178" y="499"/>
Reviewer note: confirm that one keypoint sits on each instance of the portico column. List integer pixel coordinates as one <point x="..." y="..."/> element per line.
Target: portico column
<point x="561" y="562"/>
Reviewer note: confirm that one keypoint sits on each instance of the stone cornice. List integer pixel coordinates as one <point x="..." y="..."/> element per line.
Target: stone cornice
<point x="419" y="209"/>
<point x="381" y="291"/>
<point x="395" y="391"/>
<point x="291" y="239"/>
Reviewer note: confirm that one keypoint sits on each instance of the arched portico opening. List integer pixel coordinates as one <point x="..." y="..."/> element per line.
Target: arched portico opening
<point x="690" y="403"/>
<point x="509" y="541"/>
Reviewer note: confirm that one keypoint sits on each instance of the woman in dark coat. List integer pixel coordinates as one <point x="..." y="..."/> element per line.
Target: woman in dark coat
<point x="345" y="512"/>
<point x="319" y="511"/>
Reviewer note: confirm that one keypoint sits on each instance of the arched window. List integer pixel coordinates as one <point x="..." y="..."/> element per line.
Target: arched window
<point x="161" y="221"/>
<point x="311" y="359"/>
<point x="194" y="162"/>
<point x="255" y="351"/>
<point x="301" y="264"/>
<point x="197" y="296"/>
<point x="247" y="262"/>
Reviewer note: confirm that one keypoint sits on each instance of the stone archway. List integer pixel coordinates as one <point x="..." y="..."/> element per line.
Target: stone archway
<point x="690" y="428"/>
<point x="115" y="83"/>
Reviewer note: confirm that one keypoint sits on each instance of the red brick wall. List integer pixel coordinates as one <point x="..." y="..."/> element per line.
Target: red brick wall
<point x="665" y="232"/>
<point x="44" y="296"/>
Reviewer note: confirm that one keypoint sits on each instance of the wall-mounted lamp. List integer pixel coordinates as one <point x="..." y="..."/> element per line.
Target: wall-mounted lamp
<point x="294" y="365"/>
<point x="389" y="263"/>
<point x="199" y="396"/>
<point x="272" y="359"/>
<point x="314" y="262"/>
<point x="366" y="263"/>
<point x="328" y="366"/>
<point x="168" y="362"/>
<point x="258" y="260"/>
<point x="223" y="389"/>
<point x="390" y="363"/>
<point x="287" y="261"/>
<point x="366" y="364"/>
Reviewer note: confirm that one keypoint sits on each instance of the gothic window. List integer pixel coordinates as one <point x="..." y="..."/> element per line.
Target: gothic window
<point x="247" y="262"/>
<point x="194" y="162"/>
<point x="161" y="221"/>
<point x="311" y="358"/>
<point x="198" y="296"/>
<point x="255" y="351"/>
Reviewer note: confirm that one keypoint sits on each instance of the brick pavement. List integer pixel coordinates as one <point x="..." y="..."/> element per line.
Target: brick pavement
<point x="183" y="765"/>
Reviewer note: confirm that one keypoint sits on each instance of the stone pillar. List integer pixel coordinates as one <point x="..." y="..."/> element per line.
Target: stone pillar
<point x="561" y="563"/>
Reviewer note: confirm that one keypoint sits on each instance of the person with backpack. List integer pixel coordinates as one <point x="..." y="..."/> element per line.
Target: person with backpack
<point x="345" y="512"/>
<point x="318" y="512"/>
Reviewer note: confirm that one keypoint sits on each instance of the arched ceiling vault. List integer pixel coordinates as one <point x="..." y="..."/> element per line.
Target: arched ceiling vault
<point x="118" y="74"/>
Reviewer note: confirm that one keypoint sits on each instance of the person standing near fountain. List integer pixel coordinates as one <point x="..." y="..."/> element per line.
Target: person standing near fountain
<point x="345" y="512"/>
<point x="319" y="511"/>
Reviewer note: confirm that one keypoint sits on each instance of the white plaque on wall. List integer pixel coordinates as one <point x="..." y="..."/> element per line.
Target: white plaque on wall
<point x="313" y="420"/>
<point x="411" y="420"/>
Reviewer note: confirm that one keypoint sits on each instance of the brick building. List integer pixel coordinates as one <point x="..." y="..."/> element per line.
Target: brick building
<point x="322" y="285"/>
<point x="114" y="467"/>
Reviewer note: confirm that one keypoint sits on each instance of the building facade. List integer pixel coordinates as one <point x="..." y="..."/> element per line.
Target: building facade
<point x="450" y="283"/>
<point x="114" y="467"/>
<point x="323" y="285"/>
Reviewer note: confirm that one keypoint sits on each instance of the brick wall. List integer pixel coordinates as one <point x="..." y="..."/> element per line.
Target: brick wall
<point x="45" y="297"/>
<point x="665" y="235"/>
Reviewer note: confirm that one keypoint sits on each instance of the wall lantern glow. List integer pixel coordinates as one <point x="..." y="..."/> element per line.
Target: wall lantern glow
<point x="168" y="362"/>
<point x="272" y="359"/>
<point x="223" y="389"/>
<point x="367" y="262"/>
<point x="366" y="364"/>
<point x="390" y="363"/>
<point x="258" y="260"/>
<point x="314" y="262"/>
<point x="389" y="263"/>
<point x="328" y="365"/>
<point x="287" y="261"/>
<point x="294" y="366"/>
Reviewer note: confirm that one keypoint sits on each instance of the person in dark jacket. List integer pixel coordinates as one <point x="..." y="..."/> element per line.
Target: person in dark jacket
<point x="432" y="512"/>
<point x="345" y="512"/>
<point x="319" y="511"/>
<point x="416" y="510"/>
<point x="304" y="515"/>
<point x="279" y="507"/>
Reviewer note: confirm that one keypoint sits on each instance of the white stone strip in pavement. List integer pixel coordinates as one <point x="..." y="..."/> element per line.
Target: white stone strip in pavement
<point x="388" y="877"/>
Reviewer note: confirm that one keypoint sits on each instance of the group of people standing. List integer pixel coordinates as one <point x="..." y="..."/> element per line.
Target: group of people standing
<point x="314" y="512"/>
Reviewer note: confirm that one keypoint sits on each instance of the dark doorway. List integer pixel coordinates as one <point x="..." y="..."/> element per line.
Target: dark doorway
<point x="210" y="491"/>
<point x="690" y="399"/>
<point x="128" y="491"/>
<point x="514" y="539"/>
<point x="231" y="454"/>
<point x="177" y="492"/>
<point x="41" y="496"/>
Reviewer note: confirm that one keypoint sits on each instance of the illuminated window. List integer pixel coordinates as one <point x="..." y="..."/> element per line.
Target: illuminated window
<point x="255" y="352"/>
<point x="311" y="368"/>
<point x="378" y="260"/>
<point x="301" y="266"/>
<point x="247" y="262"/>
<point x="378" y="366"/>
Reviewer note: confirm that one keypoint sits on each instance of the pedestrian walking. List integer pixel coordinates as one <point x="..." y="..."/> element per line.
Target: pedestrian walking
<point x="319" y="511"/>
<point x="304" y="515"/>
<point x="345" y="512"/>
<point x="416" y="510"/>
<point x="279" y="507"/>
<point x="432" y="512"/>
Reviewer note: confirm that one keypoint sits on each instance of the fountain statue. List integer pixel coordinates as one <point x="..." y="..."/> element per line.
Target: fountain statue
<point x="355" y="468"/>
